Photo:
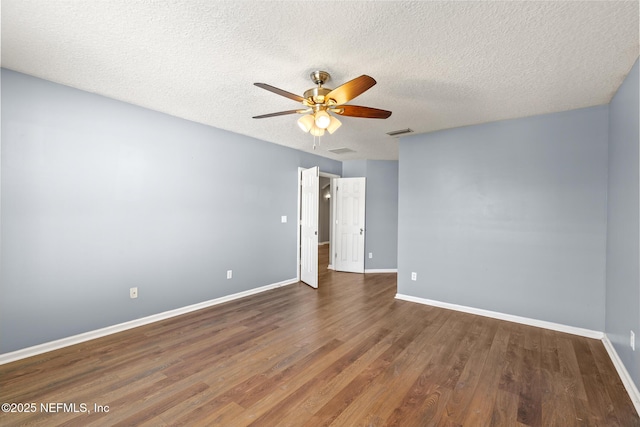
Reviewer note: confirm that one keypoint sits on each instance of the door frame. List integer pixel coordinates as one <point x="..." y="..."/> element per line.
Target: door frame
<point x="299" y="234"/>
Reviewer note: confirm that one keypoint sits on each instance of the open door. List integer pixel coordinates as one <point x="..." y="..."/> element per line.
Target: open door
<point x="309" y="226"/>
<point x="349" y="224"/>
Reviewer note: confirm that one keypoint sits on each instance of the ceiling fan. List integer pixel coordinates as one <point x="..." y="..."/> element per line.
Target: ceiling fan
<point x="320" y="101"/>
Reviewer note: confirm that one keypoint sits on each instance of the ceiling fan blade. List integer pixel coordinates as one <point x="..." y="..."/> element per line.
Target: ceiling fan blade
<point x="363" y="112"/>
<point x="280" y="92"/>
<point x="280" y="113"/>
<point x="346" y="92"/>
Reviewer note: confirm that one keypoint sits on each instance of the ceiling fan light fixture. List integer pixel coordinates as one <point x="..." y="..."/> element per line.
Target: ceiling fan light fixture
<point x="316" y="131"/>
<point x="334" y="124"/>
<point x="306" y="122"/>
<point x="322" y="119"/>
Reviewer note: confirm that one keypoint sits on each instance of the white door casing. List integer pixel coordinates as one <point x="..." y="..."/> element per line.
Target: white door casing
<point x="349" y="224"/>
<point x="309" y="226"/>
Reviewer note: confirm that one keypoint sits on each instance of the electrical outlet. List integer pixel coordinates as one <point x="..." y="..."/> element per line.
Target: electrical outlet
<point x="632" y="340"/>
<point x="370" y="255"/>
<point x="229" y="274"/>
<point x="414" y="276"/>
<point x="133" y="293"/>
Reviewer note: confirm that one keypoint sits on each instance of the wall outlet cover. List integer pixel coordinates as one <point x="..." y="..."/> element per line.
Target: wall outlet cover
<point x="133" y="293"/>
<point x="414" y="276"/>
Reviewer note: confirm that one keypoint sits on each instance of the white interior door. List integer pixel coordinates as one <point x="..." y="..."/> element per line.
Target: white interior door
<point x="349" y="224"/>
<point x="309" y="226"/>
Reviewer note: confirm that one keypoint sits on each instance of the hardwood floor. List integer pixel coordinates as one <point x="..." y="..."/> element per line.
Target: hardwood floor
<point x="347" y="354"/>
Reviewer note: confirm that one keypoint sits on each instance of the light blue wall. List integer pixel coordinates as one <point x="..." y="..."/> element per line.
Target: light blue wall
<point x="381" y="228"/>
<point x="623" y="285"/>
<point x="382" y="215"/>
<point x="509" y="216"/>
<point x="99" y="196"/>
<point x="354" y="168"/>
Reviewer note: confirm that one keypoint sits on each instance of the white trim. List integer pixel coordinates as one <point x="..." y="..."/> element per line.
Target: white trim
<point x="329" y="175"/>
<point x="380" y="270"/>
<point x="323" y="243"/>
<point x="588" y="333"/>
<point x="330" y="267"/>
<point x="634" y="394"/>
<point x="87" y="336"/>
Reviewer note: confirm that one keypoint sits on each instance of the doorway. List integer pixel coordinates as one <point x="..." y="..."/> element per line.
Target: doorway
<point x="324" y="223"/>
<point x="315" y="223"/>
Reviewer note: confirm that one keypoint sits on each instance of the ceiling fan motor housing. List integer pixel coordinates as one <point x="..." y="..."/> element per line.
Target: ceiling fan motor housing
<point x="317" y="94"/>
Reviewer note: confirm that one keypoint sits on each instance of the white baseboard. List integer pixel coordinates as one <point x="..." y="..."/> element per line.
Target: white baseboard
<point x="87" y="336"/>
<point x="330" y="267"/>
<point x="323" y="243"/>
<point x="588" y="333"/>
<point x="634" y="394"/>
<point x="381" y="270"/>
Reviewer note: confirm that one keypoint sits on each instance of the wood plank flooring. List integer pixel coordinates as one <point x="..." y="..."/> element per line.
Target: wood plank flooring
<point x="347" y="354"/>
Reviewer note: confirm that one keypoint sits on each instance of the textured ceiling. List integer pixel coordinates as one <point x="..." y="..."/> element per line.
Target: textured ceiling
<point x="438" y="64"/>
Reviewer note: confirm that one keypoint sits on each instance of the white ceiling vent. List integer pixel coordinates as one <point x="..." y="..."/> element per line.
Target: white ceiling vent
<point x="399" y="132"/>
<point x="342" y="150"/>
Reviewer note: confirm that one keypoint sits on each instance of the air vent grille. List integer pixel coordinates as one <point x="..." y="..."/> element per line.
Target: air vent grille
<point x="399" y="132"/>
<point x="341" y="150"/>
